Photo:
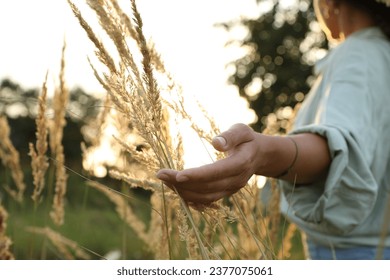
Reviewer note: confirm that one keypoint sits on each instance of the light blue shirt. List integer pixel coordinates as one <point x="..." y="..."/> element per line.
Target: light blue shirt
<point x="350" y="106"/>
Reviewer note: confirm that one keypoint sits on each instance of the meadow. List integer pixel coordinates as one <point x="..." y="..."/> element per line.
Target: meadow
<point x="51" y="211"/>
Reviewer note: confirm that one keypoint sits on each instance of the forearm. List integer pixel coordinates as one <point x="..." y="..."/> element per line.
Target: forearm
<point x="309" y="155"/>
<point x="250" y="153"/>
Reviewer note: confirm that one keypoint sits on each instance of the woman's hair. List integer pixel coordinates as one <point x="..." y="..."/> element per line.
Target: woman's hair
<point x="379" y="12"/>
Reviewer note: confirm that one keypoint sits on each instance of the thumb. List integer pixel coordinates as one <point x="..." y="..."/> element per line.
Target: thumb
<point x="220" y="143"/>
<point x="234" y="136"/>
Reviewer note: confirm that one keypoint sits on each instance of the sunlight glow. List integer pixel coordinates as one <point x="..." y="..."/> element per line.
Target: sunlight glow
<point x="184" y="33"/>
<point x="98" y="158"/>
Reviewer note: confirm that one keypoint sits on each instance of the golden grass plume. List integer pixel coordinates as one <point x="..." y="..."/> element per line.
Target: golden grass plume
<point x="39" y="160"/>
<point x="5" y="241"/>
<point x="68" y="249"/>
<point x="60" y="102"/>
<point x="144" y="93"/>
<point x="11" y="160"/>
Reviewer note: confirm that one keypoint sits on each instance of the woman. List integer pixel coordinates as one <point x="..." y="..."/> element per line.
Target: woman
<point x="334" y="165"/>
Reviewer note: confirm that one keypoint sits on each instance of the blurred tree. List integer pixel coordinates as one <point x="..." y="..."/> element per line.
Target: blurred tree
<point x="17" y="102"/>
<point x="20" y="106"/>
<point x="281" y="48"/>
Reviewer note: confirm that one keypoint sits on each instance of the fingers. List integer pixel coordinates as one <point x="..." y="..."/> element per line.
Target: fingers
<point x="190" y="191"/>
<point x="211" y="182"/>
<point x="207" y="192"/>
<point x="228" y="140"/>
<point x="228" y="183"/>
<point x="224" y="168"/>
<point x="234" y="136"/>
<point x="203" y="193"/>
<point x="229" y="167"/>
<point x="219" y="143"/>
<point x="203" y="199"/>
<point x="167" y="175"/>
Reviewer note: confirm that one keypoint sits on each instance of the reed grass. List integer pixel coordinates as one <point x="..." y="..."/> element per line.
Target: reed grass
<point x="144" y="105"/>
<point x="58" y="123"/>
<point x="124" y="210"/>
<point x="143" y="101"/>
<point x="39" y="160"/>
<point x="10" y="159"/>
<point x="145" y="94"/>
<point x="67" y="248"/>
<point x="5" y="241"/>
<point x="49" y="133"/>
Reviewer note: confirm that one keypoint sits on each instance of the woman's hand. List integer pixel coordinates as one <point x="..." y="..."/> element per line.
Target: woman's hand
<point x="251" y="153"/>
<point x="208" y="183"/>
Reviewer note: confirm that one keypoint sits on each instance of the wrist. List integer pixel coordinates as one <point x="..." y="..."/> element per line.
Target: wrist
<point x="288" y="169"/>
<point x="276" y="155"/>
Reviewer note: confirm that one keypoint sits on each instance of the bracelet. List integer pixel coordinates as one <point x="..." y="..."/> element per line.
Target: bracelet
<point x="293" y="162"/>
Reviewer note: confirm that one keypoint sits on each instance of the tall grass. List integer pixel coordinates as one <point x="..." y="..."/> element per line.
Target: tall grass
<point x="39" y="160"/>
<point x="49" y="133"/>
<point x="10" y="159"/>
<point x="5" y="241"/>
<point x="145" y="94"/>
<point x="144" y="106"/>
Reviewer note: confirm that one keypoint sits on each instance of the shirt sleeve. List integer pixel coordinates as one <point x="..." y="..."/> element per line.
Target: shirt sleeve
<point x="345" y="118"/>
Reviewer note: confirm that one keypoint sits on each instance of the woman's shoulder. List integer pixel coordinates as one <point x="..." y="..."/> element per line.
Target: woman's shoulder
<point x="365" y="49"/>
<point x="368" y="41"/>
<point x="367" y="46"/>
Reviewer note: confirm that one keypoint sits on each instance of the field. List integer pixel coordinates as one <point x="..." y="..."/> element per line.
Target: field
<point x="51" y="211"/>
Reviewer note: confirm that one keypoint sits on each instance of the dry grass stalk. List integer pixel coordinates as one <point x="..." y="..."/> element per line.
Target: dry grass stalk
<point x="39" y="162"/>
<point x="218" y="233"/>
<point x="10" y="158"/>
<point x="155" y="238"/>
<point x="125" y="21"/>
<point x="253" y="241"/>
<point x="132" y="181"/>
<point x="124" y="210"/>
<point x="102" y="54"/>
<point x="253" y="238"/>
<point x="5" y="241"/>
<point x="178" y="106"/>
<point x="158" y="238"/>
<point x="99" y="125"/>
<point x="144" y="156"/>
<point x="134" y="88"/>
<point x="274" y="212"/>
<point x="115" y="24"/>
<point x="60" y="102"/>
<point x="285" y="248"/>
<point x="135" y="94"/>
<point x="69" y="249"/>
<point x="58" y="212"/>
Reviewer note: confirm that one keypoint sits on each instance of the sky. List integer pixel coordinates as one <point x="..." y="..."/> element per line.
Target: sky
<point x="33" y="32"/>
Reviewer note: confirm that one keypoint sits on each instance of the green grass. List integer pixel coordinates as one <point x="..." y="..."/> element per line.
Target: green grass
<point x="90" y="220"/>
